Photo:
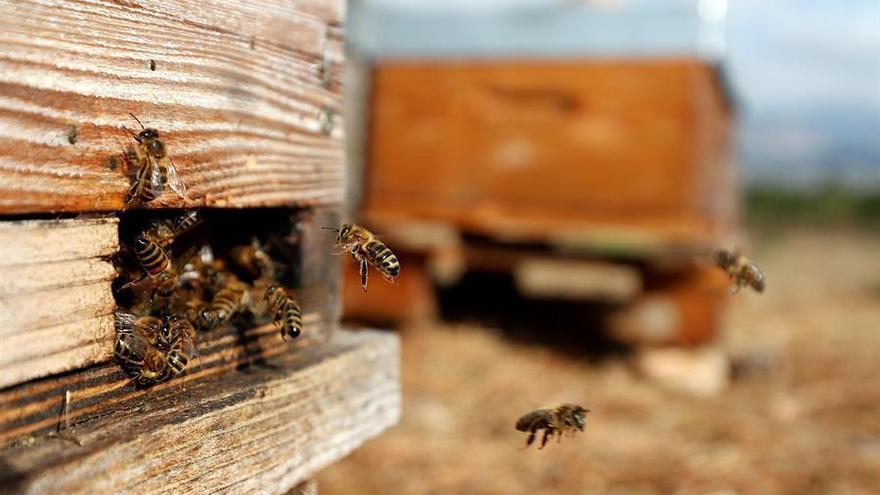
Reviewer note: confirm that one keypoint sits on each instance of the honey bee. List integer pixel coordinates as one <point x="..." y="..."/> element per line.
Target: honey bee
<point x="741" y="270"/>
<point x="154" y="167"/>
<point x="181" y="345"/>
<point x="152" y="369"/>
<point x="203" y="272"/>
<point x="366" y="249"/>
<point x="156" y="264"/>
<point x="163" y="232"/>
<point x="564" y="418"/>
<point x="136" y="346"/>
<point x="254" y="259"/>
<point x="286" y="311"/>
<point x="228" y="301"/>
<point x="135" y="334"/>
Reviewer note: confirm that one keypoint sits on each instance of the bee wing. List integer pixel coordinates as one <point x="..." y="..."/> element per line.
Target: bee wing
<point x="174" y="181"/>
<point x="185" y="257"/>
<point x="124" y="322"/>
<point x="155" y="172"/>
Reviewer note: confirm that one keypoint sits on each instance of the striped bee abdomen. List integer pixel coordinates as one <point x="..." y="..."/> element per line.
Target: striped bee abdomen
<point x="382" y="258"/>
<point x="225" y="304"/>
<point x="183" y="347"/>
<point x="152" y="258"/>
<point x="186" y="222"/>
<point x="130" y="348"/>
<point x="286" y="310"/>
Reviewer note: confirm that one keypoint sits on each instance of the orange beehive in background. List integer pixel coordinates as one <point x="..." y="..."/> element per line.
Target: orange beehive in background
<point x="593" y="156"/>
<point x="535" y="148"/>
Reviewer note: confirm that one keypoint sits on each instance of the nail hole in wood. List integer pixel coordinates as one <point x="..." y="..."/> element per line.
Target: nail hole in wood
<point x="71" y="134"/>
<point x="152" y="64"/>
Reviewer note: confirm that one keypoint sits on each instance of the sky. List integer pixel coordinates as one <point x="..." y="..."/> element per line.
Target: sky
<point x="806" y="73"/>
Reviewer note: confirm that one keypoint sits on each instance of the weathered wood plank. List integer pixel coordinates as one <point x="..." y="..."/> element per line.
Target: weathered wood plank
<point x="240" y="92"/>
<point x="261" y="428"/>
<point x="309" y="487"/>
<point x="56" y="303"/>
<point x="55" y="300"/>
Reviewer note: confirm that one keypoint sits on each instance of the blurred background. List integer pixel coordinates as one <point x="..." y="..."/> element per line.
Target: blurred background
<point x="554" y="176"/>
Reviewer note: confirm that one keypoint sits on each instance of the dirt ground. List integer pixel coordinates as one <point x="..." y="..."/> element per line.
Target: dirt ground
<point x="801" y="415"/>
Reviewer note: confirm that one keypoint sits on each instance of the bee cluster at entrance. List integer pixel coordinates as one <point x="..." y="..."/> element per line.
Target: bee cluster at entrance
<point x="185" y="273"/>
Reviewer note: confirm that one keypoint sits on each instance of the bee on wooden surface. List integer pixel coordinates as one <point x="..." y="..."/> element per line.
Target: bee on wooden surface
<point x="366" y="249"/>
<point x="741" y="271"/>
<point x="152" y="369"/>
<point x="231" y="299"/>
<point x="564" y="418"/>
<point x="155" y="169"/>
<point x="164" y="232"/>
<point x="181" y="344"/>
<point x="157" y="265"/>
<point x="135" y="334"/>
<point x="254" y="259"/>
<point x="285" y="310"/>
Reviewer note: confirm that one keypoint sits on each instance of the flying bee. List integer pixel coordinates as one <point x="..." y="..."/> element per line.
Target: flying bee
<point x="740" y="270"/>
<point x="154" y="167"/>
<point x="164" y="232"/>
<point x="564" y="418"/>
<point x="254" y="259"/>
<point x="366" y="249"/>
<point x="135" y="334"/>
<point x="286" y="311"/>
<point x="230" y="300"/>
<point x="157" y="265"/>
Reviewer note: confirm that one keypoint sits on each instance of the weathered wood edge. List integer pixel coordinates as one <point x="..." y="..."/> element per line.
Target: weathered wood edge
<point x="242" y="93"/>
<point x="266" y="428"/>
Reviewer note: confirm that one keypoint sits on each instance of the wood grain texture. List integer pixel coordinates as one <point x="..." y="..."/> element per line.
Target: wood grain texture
<point x="259" y="429"/>
<point x="56" y="303"/>
<point x="242" y="93"/>
<point x="56" y="307"/>
<point x="309" y="487"/>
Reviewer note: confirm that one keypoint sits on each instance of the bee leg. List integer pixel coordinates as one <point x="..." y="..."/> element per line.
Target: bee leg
<point x="364" y="274"/>
<point x="131" y="194"/>
<point x="533" y="433"/>
<point x="531" y="439"/>
<point x="132" y="283"/>
<point x="547" y="433"/>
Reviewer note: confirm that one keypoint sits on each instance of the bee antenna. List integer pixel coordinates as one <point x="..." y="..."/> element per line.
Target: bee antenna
<point x="135" y="136"/>
<point x="138" y="120"/>
<point x="331" y="228"/>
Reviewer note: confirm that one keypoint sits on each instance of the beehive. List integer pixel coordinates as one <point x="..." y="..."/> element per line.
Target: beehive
<point x="571" y="175"/>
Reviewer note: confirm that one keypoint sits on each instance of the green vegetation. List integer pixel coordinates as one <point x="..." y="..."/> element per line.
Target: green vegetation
<point x="830" y="205"/>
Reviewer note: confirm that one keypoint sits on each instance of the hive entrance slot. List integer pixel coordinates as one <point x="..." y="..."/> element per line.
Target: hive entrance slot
<point x="195" y="282"/>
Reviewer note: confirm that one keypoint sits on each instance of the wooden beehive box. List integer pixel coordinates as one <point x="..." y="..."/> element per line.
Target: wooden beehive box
<point x="538" y="150"/>
<point x="547" y="170"/>
<point x="247" y="97"/>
